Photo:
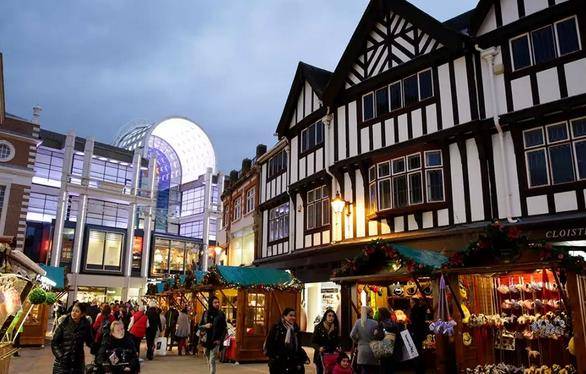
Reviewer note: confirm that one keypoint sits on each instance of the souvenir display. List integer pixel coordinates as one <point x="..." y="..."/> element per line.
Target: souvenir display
<point x="444" y="324"/>
<point x="502" y="368"/>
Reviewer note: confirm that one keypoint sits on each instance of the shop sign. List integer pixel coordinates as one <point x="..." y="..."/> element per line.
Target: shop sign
<point x="566" y="233"/>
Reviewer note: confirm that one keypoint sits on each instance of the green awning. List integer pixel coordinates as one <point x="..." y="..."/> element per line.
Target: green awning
<point x="255" y="276"/>
<point x="56" y="274"/>
<point x="422" y="256"/>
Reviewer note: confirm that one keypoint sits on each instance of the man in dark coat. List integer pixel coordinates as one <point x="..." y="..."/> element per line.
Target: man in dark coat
<point x="154" y="326"/>
<point x="171" y="316"/>
<point x="68" y="341"/>
<point x="214" y="323"/>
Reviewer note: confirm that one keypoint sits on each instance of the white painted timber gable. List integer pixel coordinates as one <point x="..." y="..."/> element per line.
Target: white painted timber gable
<point x="509" y="11"/>
<point x="393" y="41"/>
<point x="307" y="103"/>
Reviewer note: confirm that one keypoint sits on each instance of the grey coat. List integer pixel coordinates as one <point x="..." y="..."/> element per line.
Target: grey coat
<point x="362" y="336"/>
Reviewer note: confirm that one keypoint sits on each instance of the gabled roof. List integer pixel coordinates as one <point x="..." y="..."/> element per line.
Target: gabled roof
<point x="479" y="14"/>
<point x="316" y="77"/>
<point x="461" y="23"/>
<point x="443" y="33"/>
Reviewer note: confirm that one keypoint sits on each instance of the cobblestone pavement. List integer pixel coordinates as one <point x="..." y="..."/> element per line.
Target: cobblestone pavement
<point x="40" y="361"/>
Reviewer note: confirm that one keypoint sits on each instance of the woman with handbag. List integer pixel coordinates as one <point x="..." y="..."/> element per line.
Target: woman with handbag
<point x="326" y="340"/>
<point x="362" y="334"/>
<point x="387" y="325"/>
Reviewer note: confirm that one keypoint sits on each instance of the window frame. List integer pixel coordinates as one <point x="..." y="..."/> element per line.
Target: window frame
<point x="557" y="38"/>
<point x="555" y="43"/>
<point x="312" y="207"/>
<point x="546" y="153"/>
<point x="305" y="148"/>
<point x="406" y="173"/>
<point x="237" y="209"/>
<point x="542" y="137"/>
<point x="568" y="139"/>
<point x="278" y="219"/>
<point x="575" y="157"/>
<point x="364" y="119"/>
<point x="529" y="48"/>
<point x="419" y="84"/>
<point x="104" y="269"/>
<point x="250" y="194"/>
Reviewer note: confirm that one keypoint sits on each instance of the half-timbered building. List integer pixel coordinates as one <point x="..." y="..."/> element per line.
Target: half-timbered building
<point x="430" y="130"/>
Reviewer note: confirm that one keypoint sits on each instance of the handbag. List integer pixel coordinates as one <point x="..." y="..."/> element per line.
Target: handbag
<point x="383" y="348"/>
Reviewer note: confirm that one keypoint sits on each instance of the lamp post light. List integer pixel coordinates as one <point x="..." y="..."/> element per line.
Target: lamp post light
<point x="338" y="206"/>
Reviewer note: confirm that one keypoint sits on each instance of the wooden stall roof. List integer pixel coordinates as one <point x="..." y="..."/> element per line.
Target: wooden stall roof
<point x="235" y="277"/>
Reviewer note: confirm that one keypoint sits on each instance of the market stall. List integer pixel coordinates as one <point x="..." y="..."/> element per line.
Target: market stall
<point x="519" y="306"/>
<point x="395" y="277"/>
<point x="253" y="298"/>
<point x="18" y="276"/>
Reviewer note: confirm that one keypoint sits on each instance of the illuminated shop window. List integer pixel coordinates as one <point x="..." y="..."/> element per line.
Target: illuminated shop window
<point x="255" y="314"/>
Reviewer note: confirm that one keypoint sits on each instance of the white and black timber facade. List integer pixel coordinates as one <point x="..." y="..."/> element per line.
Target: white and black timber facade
<point x="430" y="131"/>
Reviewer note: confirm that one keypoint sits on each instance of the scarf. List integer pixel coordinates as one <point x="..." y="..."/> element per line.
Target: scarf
<point x="329" y="327"/>
<point x="290" y="338"/>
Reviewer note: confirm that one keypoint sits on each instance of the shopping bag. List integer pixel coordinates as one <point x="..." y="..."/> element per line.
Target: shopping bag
<point x="161" y="346"/>
<point x="409" y="349"/>
<point x="383" y="348"/>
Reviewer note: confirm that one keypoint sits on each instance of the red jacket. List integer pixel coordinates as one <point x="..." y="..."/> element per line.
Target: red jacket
<point x="139" y="325"/>
<point x="98" y="324"/>
<point x="340" y="370"/>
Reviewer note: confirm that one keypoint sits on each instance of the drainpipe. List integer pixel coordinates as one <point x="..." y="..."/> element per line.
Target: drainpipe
<point x="327" y="119"/>
<point x="488" y="55"/>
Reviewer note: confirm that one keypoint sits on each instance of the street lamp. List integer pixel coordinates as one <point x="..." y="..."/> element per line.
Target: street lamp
<point x="338" y="204"/>
<point x="338" y="207"/>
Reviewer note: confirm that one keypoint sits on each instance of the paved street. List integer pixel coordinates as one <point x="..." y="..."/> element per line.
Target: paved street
<point x="40" y="361"/>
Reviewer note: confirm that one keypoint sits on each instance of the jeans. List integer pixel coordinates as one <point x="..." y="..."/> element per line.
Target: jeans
<point x="213" y="355"/>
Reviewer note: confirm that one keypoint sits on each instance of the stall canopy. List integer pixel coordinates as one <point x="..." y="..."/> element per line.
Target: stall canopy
<point x="56" y="274"/>
<point x="254" y="277"/>
<point x="422" y="256"/>
<point x="237" y="277"/>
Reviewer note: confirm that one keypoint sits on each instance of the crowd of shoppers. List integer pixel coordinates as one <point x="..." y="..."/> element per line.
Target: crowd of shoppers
<point x="114" y="333"/>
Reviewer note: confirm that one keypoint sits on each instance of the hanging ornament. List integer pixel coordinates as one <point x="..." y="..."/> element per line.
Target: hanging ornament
<point x="444" y="324"/>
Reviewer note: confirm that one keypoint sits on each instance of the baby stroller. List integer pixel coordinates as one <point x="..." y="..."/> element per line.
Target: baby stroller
<point x="119" y="361"/>
<point x="328" y="361"/>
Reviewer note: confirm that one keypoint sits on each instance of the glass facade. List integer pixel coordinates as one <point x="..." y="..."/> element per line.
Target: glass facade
<point x="105" y="213"/>
<point x="104" y="251"/>
<point x="174" y="256"/>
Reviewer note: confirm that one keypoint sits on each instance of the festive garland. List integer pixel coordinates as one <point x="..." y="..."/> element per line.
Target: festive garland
<point x="504" y="244"/>
<point x="376" y="256"/>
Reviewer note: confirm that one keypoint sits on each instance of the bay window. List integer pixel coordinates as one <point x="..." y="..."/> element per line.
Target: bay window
<point x="317" y="212"/>
<point x="555" y="154"/>
<point x="279" y="222"/>
<point x="403" y="93"/>
<point x="399" y="183"/>
<point x="277" y="165"/>
<point x="545" y="44"/>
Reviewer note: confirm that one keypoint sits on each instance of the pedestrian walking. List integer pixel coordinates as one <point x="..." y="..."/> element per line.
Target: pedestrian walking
<point x="101" y="326"/>
<point x="362" y="334"/>
<point x="325" y="339"/>
<point x="283" y="347"/>
<point x="68" y="341"/>
<point x="214" y="324"/>
<point x="153" y="328"/>
<point x="182" y="331"/>
<point x="387" y="324"/>
<point x="171" y="316"/>
<point x="137" y="327"/>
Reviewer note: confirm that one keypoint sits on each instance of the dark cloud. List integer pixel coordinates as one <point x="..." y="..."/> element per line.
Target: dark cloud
<point x="96" y="65"/>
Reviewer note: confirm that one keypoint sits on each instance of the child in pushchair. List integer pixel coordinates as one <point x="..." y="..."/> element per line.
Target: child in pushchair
<point x="117" y="353"/>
